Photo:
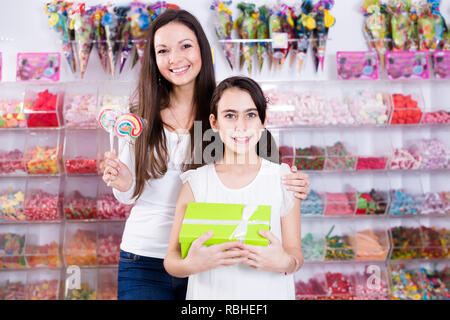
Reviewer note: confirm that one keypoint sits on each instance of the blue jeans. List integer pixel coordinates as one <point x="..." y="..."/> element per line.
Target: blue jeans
<point x="144" y="278"/>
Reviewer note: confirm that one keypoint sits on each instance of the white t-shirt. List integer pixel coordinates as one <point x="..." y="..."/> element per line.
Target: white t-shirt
<point x="241" y="281"/>
<point x="147" y="229"/>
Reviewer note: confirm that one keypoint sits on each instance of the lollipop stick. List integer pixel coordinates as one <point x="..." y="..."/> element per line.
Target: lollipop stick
<point x="111" y="148"/>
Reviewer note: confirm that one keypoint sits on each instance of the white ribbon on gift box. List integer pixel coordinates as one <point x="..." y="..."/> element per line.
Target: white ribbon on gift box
<point x="241" y="229"/>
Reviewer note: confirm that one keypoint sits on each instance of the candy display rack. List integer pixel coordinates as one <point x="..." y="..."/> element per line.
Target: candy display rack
<point x="406" y="238"/>
<point x="108" y="207"/>
<point x="108" y="242"/>
<point x="372" y="240"/>
<point x="406" y="194"/>
<point x="86" y="289"/>
<point x="339" y="238"/>
<point x="43" y="199"/>
<point x="12" y="147"/>
<point x="80" y="106"/>
<point x="43" y="152"/>
<point x="43" y="106"/>
<point x="11" y="106"/>
<point x="313" y="240"/>
<point x="372" y="281"/>
<point x="12" y="285"/>
<point x="436" y="194"/>
<point x="80" y="152"/>
<point x="12" y="246"/>
<point x="435" y="237"/>
<point x="80" y="244"/>
<point x="340" y="198"/>
<point x="43" y="243"/>
<point x="80" y="197"/>
<point x="43" y="284"/>
<point x="12" y="195"/>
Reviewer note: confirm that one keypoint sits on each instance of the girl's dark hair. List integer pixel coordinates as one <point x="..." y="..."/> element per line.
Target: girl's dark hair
<point x="152" y="95"/>
<point x="266" y="147"/>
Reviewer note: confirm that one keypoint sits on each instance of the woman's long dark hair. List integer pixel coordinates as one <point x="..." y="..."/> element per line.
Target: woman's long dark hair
<point x="266" y="147"/>
<point x="151" y="154"/>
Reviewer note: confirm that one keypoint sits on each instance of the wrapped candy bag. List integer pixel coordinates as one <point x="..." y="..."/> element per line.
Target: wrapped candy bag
<point x="110" y="24"/>
<point x="304" y="25"/>
<point x="100" y="35"/>
<point x="402" y="27"/>
<point x="246" y="25"/>
<point x="262" y="32"/>
<point x="126" y="39"/>
<point x="288" y="26"/>
<point x="324" y="21"/>
<point x="223" y="25"/>
<point x="81" y="23"/>
<point x="140" y="23"/>
<point x="57" y="19"/>
<point x="377" y="28"/>
<point x="431" y="26"/>
<point x="275" y="26"/>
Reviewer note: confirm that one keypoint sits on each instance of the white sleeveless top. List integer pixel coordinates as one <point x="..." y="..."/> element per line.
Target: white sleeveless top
<point x="241" y="281"/>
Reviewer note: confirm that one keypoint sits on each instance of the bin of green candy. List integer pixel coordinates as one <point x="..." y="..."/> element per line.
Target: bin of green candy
<point x="371" y="203"/>
<point x="406" y="242"/>
<point x="313" y="205"/>
<point x="313" y="247"/>
<point x="229" y="222"/>
<point x="310" y="158"/>
<point x="339" y="158"/>
<point x="338" y="247"/>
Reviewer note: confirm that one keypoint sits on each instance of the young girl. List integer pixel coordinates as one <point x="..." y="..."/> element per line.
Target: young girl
<point x="176" y="83"/>
<point x="238" y="111"/>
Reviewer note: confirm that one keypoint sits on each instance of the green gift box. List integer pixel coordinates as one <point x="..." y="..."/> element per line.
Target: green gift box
<point x="229" y="222"/>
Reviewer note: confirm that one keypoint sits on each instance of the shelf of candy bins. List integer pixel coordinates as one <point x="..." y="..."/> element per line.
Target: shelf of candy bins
<point x="50" y="284"/>
<point x="30" y="246"/>
<point x="42" y="284"/>
<point x="294" y="105"/>
<point x="92" y="244"/>
<point x="349" y="281"/>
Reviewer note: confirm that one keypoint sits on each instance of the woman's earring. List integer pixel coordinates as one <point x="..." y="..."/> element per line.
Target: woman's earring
<point x="159" y="80"/>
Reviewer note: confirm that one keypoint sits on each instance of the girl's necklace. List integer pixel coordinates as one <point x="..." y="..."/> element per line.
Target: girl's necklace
<point x="180" y="126"/>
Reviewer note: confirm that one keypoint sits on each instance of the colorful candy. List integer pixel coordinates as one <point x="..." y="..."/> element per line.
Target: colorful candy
<point x="11" y="114"/>
<point x="339" y="158"/>
<point x="374" y="202"/>
<point x="42" y="206"/>
<point x="84" y="293"/>
<point x="12" y="162"/>
<point x="12" y="205"/>
<point x="43" y="255"/>
<point x="436" y="117"/>
<point x="41" y="112"/>
<point x="42" y="160"/>
<point x="43" y="290"/>
<point x="12" y="291"/>
<point x="108" y="208"/>
<point x="313" y="247"/>
<point x="313" y="205"/>
<point x="80" y="110"/>
<point x="369" y="246"/>
<point x="338" y="247"/>
<point x="405" y="283"/>
<point x="12" y="251"/>
<point x="340" y="204"/>
<point x="81" y="165"/>
<point x="340" y="286"/>
<point x="406" y="243"/>
<point x="406" y="110"/>
<point x="77" y="206"/>
<point x="128" y="125"/>
<point x="109" y="249"/>
<point x="434" y="243"/>
<point x="82" y="248"/>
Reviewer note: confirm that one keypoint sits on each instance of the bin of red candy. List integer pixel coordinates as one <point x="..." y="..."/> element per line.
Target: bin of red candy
<point x="12" y="285"/>
<point x="80" y="157"/>
<point x="109" y="239"/>
<point x="43" y="200"/>
<point x="43" y="109"/>
<point x="42" y="247"/>
<point x="406" y="109"/>
<point x="11" y="162"/>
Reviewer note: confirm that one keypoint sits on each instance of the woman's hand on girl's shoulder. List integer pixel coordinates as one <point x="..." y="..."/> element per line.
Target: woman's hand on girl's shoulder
<point x="298" y="182"/>
<point x="116" y="174"/>
<point x="202" y="258"/>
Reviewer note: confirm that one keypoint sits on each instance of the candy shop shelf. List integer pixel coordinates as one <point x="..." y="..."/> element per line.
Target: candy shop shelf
<point x="92" y="243"/>
<point x="30" y="246"/>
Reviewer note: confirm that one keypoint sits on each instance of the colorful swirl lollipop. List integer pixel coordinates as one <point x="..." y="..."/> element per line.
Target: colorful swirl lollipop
<point x="128" y="125"/>
<point x="107" y="119"/>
